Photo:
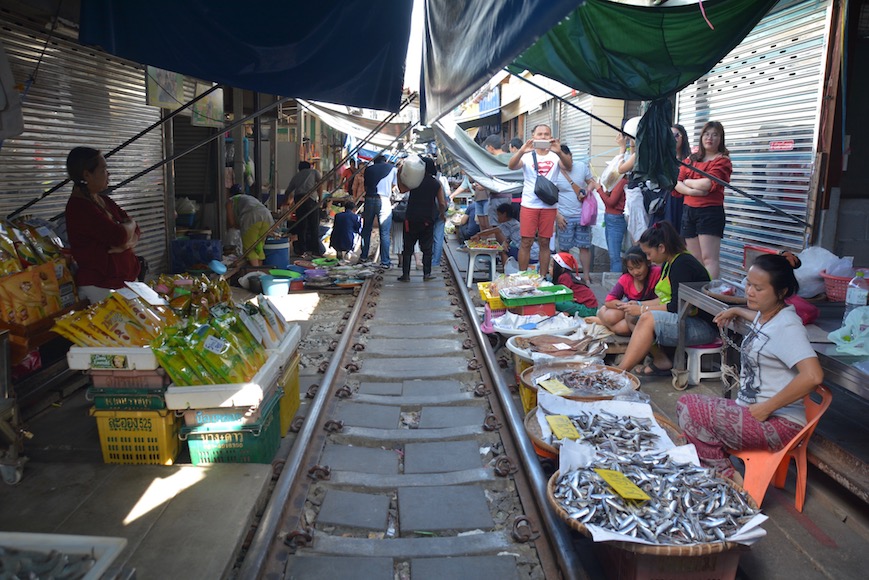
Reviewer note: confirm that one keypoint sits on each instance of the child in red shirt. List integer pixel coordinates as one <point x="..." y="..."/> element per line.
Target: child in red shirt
<point x="564" y="272"/>
<point x="638" y="283"/>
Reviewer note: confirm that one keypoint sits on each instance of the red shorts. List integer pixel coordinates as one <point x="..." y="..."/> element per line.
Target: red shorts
<point x="537" y="222"/>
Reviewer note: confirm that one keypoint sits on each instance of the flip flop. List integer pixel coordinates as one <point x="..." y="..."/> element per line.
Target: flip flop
<point x="640" y="371"/>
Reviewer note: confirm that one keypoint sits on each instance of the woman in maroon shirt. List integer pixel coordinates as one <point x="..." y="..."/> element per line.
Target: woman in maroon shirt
<point x="703" y="213"/>
<point x="101" y="235"/>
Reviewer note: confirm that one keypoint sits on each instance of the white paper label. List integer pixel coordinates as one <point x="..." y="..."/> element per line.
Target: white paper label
<point x="541" y="378"/>
<point x="147" y="293"/>
<point x="215" y="345"/>
<point x="562" y="346"/>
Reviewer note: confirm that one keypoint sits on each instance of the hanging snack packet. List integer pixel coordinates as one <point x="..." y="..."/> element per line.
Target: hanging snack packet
<point x="65" y="282"/>
<point x="44" y="275"/>
<point x="27" y="255"/>
<point x="9" y="262"/>
<point x="25" y="295"/>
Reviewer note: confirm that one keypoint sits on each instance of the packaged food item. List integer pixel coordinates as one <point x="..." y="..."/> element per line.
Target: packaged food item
<point x="44" y="275"/>
<point x="183" y="368"/>
<point x="27" y="255"/>
<point x="65" y="327"/>
<point x="65" y="282"/>
<point x="9" y="262"/>
<point x="218" y="355"/>
<point x="138" y="310"/>
<point x="25" y="296"/>
<point x="111" y="318"/>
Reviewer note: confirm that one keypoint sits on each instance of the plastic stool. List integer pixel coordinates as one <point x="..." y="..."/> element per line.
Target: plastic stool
<point x="473" y="254"/>
<point x="765" y="467"/>
<point x="695" y="360"/>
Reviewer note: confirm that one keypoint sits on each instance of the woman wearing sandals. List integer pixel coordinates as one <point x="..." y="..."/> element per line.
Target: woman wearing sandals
<point x="779" y="368"/>
<point x="658" y="323"/>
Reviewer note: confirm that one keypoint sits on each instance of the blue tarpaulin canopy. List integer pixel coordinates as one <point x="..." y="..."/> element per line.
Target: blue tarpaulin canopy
<point x="349" y="52"/>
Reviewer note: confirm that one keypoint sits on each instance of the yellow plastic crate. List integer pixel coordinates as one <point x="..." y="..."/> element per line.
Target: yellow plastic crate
<point x="494" y="301"/>
<point x="138" y="437"/>
<point x="289" y="382"/>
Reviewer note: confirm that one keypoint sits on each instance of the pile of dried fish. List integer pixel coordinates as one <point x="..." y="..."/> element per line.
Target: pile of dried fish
<point x="554" y="346"/>
<point x="31" y="564"/>
<point x="619" y="434"/>
<point x="688" y="504"/>
<point x="594" y="379"/>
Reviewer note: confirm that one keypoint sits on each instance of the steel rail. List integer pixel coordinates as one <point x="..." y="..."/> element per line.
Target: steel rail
<point x="557" y="531"/>
<point x="254" y="560"/>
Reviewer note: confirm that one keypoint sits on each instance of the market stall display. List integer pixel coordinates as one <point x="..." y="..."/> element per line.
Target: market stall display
<point x="577" y="381"/>
<point x="181" y="349"/>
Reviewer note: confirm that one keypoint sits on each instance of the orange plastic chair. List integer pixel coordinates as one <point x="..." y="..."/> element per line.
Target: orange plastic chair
<point x="763" y="467"/>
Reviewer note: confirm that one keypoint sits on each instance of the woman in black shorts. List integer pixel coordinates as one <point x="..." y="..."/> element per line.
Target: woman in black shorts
<point x="703" y="215"/>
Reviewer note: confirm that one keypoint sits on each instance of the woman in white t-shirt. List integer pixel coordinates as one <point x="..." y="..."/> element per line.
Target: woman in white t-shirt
<point x="779" y="368"/>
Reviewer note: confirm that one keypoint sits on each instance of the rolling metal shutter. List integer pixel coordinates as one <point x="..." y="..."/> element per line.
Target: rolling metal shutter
<point x="543" y="115"/>
<point x="767" y="94"/>
<point x="575" y="131"/>
<point x="81" y="97"/>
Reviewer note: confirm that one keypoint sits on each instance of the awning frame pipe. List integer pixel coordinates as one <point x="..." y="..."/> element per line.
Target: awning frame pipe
<point x="129" y="141"/>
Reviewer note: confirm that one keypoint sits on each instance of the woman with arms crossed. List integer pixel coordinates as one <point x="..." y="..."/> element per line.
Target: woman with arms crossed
<point x="703" y="212"/>
<point x="101" y="235"/>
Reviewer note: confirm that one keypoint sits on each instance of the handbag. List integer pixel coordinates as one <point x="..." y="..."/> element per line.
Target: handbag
<point x="588" y="215"/>
<point x="611" y="176"/>
<point x="544" y="189"/>
<point x="399" y="211"/>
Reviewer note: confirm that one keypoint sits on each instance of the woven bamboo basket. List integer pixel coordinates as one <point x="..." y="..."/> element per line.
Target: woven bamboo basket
<point x="545" y="450"/>
<point x="655" y="550"/>
<point x="525" y="381"/>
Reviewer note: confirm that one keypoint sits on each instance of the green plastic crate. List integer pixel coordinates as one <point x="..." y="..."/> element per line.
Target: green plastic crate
<point x="255" y="443"/>
<point x="127" y="399"/>
<point x="555" y="293"/>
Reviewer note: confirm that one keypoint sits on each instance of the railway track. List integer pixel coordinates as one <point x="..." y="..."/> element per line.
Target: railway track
<point x="407" y="464"/>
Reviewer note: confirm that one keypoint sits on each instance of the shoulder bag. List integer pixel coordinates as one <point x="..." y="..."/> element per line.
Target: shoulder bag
<point x="544" y="189"/>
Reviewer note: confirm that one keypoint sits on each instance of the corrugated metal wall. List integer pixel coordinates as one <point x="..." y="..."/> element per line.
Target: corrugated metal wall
<point x="575" y="131"/>
<point x="543" y="115"/>
<point x="81" y="97"/>
<point x="766" y="93"/>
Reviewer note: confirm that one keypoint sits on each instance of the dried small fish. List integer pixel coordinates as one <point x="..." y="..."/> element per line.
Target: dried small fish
<point x="621" y="434"/>
<point x="702" y="509"/>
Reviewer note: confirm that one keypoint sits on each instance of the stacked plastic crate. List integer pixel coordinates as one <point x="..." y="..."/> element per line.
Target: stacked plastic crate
<point x="128" y="393"/>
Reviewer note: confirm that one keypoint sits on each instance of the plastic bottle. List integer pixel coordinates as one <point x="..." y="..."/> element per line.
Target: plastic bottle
<point x="857" y="294"/>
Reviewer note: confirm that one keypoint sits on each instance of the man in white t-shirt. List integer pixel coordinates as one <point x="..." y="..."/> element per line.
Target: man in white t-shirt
<point x="537" y="218"/>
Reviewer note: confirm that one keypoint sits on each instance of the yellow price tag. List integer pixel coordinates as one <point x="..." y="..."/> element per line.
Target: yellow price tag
<point x="555" y="387"/>
<point x="561" y="427"/>
<point x="622" y="485"/>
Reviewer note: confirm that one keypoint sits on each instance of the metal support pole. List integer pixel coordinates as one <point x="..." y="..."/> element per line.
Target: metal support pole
<point x="169" y="181"/>
<point x="238" y="136"/>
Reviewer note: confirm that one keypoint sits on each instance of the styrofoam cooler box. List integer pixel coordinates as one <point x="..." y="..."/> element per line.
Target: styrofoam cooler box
<point x="104" y="549"/>
<point x="285" y="349"/>
<point x="85" y="358"/>
<point x="249" y="394"/>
